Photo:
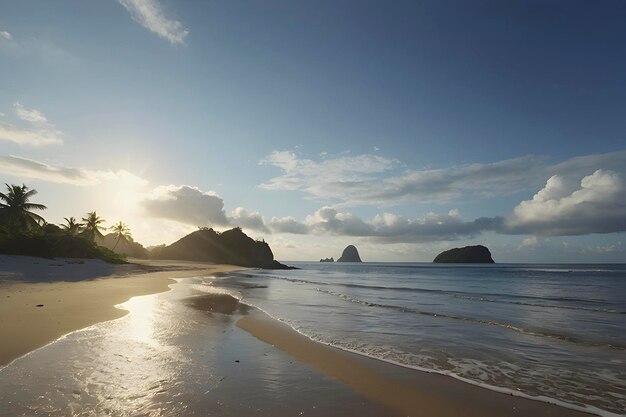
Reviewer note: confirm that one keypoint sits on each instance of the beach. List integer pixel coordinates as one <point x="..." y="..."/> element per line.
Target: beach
<point x="42" y="299"/>
<point x="183" y="341"/>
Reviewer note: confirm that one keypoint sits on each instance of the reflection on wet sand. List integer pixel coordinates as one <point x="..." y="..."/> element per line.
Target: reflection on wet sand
<point x="217" y="303"/>
<point x="175" y="354"/>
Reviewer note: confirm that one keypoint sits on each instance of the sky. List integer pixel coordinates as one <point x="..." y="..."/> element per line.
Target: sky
<point x="404" y="128"/>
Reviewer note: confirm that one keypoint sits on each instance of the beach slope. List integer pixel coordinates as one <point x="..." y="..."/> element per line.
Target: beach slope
<point x="42" y="300"/>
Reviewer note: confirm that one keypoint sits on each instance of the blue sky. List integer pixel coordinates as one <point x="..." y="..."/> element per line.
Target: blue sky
<point x="403" y="127"/>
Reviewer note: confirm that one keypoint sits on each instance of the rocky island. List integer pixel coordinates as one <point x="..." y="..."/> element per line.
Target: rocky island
<point x="350" y="254"/>
<point x="468" y="255"/>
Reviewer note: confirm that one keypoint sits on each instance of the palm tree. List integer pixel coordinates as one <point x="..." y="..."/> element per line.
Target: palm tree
<point x="91" y="228"/>
<point x="122" y="232"/>
<point x="72" y="227"/>
<point x="15" y="209"/>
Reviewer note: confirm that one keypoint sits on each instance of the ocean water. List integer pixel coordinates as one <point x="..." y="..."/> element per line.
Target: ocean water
<point x="553" y="332"/>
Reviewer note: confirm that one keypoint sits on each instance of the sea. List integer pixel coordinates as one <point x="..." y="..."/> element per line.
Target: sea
<point x="554" y="333"/>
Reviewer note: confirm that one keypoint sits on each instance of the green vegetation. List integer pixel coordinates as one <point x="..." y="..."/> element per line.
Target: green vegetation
<point x="121" y="232"/>
<point x="23" y="232"/>
<point x="91" y="227"/>
<point x="71" y="226"/>
<point x="15" y="209"/>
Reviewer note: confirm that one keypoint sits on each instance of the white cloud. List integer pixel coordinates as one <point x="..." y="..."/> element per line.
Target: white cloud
<point x="149" y="14"/>
<point x="31" y="137"/>
<point x="361" y="180"/>
<point x="6" y="35"/>
<point x="32" y="115"/>
<point x="28" y="168"/>
<point x="365" y="179"/>
<point x="287" y="225"/>
<point x="329" y="178"/>
<point x="529" y="243"/>
<point x="386" y="227"/>
<point x="186" y="204"/>
<point x="603" y="249"/>
<point x="248" y="220"/>
<point x="596" y="205"/>
<point x="40" y="131"/>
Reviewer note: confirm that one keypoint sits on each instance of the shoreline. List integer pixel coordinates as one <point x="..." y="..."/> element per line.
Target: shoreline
<point x="405" y="391"/>
<point x="37" y="312"/>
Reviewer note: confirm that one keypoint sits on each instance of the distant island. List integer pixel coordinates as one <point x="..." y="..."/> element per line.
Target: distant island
<point x="230" y="247"/>
<point x="327" y="260"/>
<point x="350" y="254"/>
<point x="469" y="254"/>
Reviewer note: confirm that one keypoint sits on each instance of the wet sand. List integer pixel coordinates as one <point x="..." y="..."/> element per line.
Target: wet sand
<point x="177" y="353"/>
<point x="38" y="305"/>
<point x="404" y="392"/>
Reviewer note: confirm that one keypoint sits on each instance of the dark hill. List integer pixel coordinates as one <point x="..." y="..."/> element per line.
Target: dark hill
<point x="350" y="254"/>
<point x="467" y="255"/>
<point x="230" y="247"/>
<point x="123" y="247"/>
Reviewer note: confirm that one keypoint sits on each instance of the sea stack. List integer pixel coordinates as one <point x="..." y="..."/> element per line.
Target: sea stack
<point x="468" y="255"/>
<point x="350" y="254"/>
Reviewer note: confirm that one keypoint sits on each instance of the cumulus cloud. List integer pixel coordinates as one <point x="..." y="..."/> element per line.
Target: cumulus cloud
<point x="39" y="131"/>
<point x="28" y="168"/>
<point x="287" y="225"/>
<point x="186" y="204"/>
<point x="570" y="203"/>
<point x="597" y="204"/>
<point x="386" y="227"/>
<point x="191" y="205"/>
<point x="373" y="180"/>
<point x="6" y="35"/>
<point x="149" y="14"/>
<point x="248" y="220"/>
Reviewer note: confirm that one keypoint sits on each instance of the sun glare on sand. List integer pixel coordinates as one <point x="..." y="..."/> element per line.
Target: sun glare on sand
<point x="141" y="319"/>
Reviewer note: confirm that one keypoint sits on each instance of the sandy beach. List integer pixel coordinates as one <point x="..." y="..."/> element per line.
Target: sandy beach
<point x="235" y="349"/>
<point x="42" y="300"/>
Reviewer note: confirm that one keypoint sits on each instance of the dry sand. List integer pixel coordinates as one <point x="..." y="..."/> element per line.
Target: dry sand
<point x="405" y="392"/>
<point x="37" y="306"/>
